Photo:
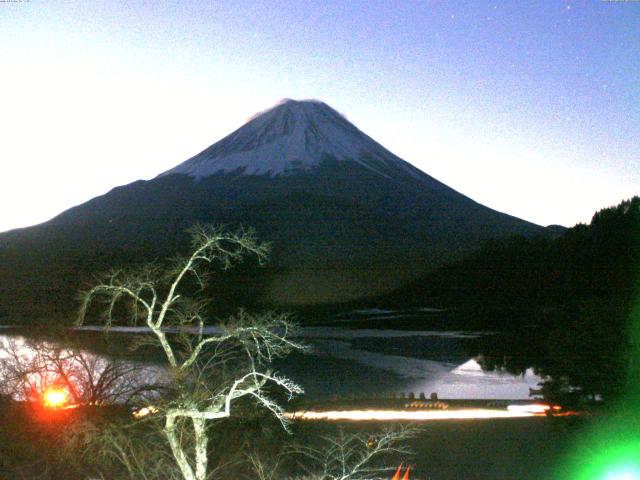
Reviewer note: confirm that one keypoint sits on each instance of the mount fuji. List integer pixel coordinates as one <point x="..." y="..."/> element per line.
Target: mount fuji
<point x="347" y="218"/>
<point x="293" y="136"/>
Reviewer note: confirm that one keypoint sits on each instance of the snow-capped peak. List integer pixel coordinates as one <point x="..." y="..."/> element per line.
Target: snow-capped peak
<point x="292" y="136"/>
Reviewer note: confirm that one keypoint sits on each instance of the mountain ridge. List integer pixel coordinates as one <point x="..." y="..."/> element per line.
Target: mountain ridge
<point x="341" y="230"/>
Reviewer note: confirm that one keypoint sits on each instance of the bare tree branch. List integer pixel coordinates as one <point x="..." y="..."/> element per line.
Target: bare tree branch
<point x="355" y="456"/>
<point x="209" y="373"/>
<point x="29" y="367"/>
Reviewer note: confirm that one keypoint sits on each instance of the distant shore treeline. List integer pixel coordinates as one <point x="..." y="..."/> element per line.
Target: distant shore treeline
<point x="596" y="261"/>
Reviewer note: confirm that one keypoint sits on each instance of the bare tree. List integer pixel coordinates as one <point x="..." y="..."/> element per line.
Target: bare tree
<point x="355" y="456"/>
<point x="126" y="450"/>
<point x="209" y="373"/>
<point x="29" y="367"/>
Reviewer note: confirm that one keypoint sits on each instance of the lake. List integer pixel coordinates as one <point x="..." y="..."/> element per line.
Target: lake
<point x="372" y="362"/>
<point x="384" y="363"/>
<point x="362" y="363"/>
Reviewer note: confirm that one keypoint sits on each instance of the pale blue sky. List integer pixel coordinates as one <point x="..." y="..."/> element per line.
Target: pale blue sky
<point x="529" y="107"/>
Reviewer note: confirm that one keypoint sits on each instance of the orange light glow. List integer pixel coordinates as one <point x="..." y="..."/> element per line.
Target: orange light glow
<point x="399" y="471"/>
<point x="397" y="474"/>
<point x="55" y="398"/>
<point x="406" y="473"/>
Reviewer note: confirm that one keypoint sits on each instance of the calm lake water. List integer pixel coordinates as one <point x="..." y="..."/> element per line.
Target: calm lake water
<point x="367" y="363"/>
<point x="356" y="362"/>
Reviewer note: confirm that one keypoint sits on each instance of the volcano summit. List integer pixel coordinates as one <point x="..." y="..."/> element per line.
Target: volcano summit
<point x="294" y="136"/>
<point x="347" y="218"/>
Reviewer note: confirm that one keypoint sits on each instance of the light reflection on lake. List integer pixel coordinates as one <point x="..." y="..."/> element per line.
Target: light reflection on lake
<point x="368" y="363"/>
<point x="372" y="362"/>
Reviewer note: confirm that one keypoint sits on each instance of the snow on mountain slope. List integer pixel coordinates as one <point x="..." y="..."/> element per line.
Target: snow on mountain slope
<point x="292" y="136"/>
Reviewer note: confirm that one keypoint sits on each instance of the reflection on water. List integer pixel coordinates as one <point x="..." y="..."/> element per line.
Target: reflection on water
<point x="346" y="362"/>
<point x="469" y="381"/>
<point x="369" y="363"/>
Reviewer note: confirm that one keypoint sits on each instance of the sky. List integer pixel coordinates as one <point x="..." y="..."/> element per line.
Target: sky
<point x="529" y="107"/>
